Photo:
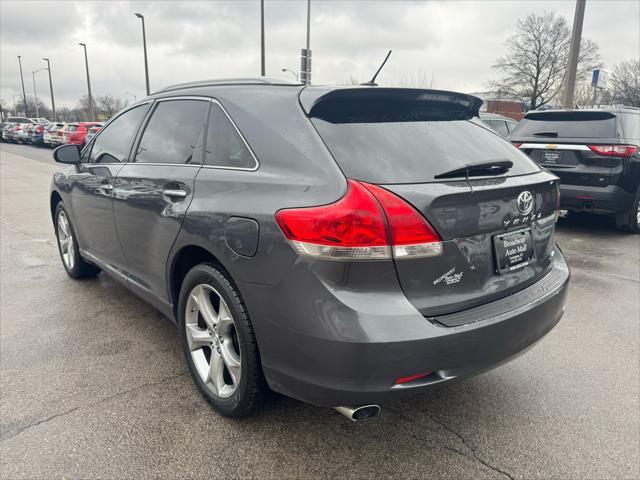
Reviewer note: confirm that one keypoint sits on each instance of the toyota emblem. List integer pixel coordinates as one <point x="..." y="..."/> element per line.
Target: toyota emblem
<point x="525" y="202"/>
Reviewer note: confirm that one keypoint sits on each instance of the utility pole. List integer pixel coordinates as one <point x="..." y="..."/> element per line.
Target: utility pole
<point x="24" y="93"/>
<point x="144" y="46"/>
<point x="86" y="62"/>
<point x="574" y="53"/>
<point x="305" y="61"/>
<point x="262" y="66"/>
<point x="53" y="103"/>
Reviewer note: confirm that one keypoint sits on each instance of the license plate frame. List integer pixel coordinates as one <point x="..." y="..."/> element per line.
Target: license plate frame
<point x="509" y="256"/>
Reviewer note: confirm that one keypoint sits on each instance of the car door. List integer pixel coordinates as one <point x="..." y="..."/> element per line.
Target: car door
<point x="92" y="187"/>
<point x="153" y="192"/>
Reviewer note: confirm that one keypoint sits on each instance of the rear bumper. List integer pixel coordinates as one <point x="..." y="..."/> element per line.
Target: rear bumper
<point x="359" y="356"/>
<point x="586" y="198"/>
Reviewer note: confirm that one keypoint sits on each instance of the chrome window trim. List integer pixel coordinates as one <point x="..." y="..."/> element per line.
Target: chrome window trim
<point x="556" y="146"/>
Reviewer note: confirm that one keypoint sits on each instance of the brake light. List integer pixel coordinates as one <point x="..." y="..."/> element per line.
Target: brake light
<point x="516" y="144"/>
<point x="368" y="223"/>
<point x="411" y="378"/>
<point x="614" y="150"/>
<point x="39" y="130"/>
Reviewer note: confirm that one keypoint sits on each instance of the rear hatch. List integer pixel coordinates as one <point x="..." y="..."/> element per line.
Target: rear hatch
<point x="574" y="145"/>
<point x="496" y="225"/>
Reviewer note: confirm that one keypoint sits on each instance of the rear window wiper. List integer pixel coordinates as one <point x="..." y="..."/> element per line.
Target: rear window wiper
<point x="495" y="167"/>
<point x="549" y="133"/>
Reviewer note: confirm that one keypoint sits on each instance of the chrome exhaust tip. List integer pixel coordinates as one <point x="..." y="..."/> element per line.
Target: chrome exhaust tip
<point x="359" y="413"/>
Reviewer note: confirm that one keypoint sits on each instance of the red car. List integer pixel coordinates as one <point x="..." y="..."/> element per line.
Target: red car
<point x="76" y="132"/>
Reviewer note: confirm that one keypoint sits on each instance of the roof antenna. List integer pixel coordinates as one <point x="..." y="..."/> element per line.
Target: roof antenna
<point x="372" y="82"/>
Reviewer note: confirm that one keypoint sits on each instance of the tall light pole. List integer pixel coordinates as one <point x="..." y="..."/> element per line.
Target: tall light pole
<point x="53" y="103"/>
<point x="86" y="62"/>
<point x="35" y="93"/>
<point x="24" y="93"/>
<point x="305" y="61"/>
<point x="144" y="46"/>
<point x="262" y="66"/>
<point x="574" y="53"/>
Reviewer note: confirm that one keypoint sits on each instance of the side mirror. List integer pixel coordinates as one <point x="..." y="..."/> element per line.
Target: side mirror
<point x="67" y="154"/>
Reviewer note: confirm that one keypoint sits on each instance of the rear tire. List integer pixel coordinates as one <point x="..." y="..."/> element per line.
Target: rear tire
<point x="219" y="344"/>
<point x="629" y="221"/>
<point x="75" y="266"/>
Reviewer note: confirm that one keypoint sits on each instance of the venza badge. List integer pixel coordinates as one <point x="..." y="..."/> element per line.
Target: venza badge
<point x="525" y="202"/>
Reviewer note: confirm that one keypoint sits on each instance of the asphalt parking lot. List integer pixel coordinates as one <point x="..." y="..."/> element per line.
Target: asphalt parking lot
<point x="93" y="383"/>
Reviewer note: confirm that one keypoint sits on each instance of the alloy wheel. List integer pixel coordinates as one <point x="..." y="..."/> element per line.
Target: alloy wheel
<point x="213" y="340"/>
<point x="65" y="240"/>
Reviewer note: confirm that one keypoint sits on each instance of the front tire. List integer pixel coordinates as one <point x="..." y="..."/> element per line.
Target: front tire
<point x="219" y="343"/>
<point x="75" y="266"/>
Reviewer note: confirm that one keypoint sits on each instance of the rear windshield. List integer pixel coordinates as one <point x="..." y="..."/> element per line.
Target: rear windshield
<point x="567" y="125"/>
<point x="415" y="151"/>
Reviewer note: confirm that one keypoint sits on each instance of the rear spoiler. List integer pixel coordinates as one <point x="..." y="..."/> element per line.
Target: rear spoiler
<point x="376" y="104"/>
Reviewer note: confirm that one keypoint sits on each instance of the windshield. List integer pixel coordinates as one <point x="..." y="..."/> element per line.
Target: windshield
<point x="415" y="151"/>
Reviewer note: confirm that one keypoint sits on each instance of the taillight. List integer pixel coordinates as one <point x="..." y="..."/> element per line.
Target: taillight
<point x="516" y="144"/>
<point x="39" y="130"/>
<point x="368" y="223"/>
<point x="614" y="150"/>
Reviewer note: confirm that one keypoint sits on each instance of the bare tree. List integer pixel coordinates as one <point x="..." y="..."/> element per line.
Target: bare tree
<point x="83" y="105"/>
<point x="535" y="64"/>
<point x="43" y="110"/>
<point x="108" y="105"/>
<point x="625" y="83"/>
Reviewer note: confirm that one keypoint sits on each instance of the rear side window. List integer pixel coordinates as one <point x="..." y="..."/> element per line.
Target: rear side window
<point x="576" y="124"/>
<point x="415" y="151"/>
<point x="225" y="147"/>
<point x="174" y="133"/>
<point x="114" y="142"/>
<point x="631" y="126"/>
<point x="499" y="126"/>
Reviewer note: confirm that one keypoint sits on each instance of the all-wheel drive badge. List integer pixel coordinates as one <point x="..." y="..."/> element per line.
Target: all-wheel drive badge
<point x="525" y="202"/>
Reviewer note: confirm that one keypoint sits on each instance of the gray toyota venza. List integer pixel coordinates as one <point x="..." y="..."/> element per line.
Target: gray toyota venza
<point x="339" y="245"/>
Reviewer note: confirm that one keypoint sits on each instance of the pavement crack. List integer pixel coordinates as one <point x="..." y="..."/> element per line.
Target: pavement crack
<point x="89" y="405"/>
<point x="472" y="455"/>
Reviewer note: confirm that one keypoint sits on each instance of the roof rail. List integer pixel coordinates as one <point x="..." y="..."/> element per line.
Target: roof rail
<point x="231" y="81"/>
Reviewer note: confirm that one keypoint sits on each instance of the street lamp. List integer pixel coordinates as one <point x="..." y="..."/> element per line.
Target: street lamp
<point x="144" y="46"/>
<point x="24" y="93"/>
<point x="35" y="94"/>
<point x="291" y="72"/>
<point x="86" y="62"/>
<point x="53" y="103"/>
<point x="131" y="94"/>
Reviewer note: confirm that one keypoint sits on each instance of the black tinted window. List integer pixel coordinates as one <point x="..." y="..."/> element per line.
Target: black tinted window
<point x="414" y="152"/>
<point x="576" y="124"/>
<point x="499" y="126"/>
<point x="174" y="133"/>
<point x="114" y="142"/>
<point x="225" y="147"/>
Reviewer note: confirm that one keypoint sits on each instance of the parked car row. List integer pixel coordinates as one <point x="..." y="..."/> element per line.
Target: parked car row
<point x="40" y="131"/>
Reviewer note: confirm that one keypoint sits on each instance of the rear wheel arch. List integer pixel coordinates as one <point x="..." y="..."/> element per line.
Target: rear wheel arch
<point x="184" y="260"/>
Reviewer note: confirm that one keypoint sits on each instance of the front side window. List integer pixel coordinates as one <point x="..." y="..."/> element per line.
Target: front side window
<point x="225" y="147"/>
<point x="174" y="133"/>
<point x="114" y="142"/>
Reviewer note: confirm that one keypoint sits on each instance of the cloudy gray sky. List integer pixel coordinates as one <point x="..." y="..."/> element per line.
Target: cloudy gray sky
<point x="454" y="42"/>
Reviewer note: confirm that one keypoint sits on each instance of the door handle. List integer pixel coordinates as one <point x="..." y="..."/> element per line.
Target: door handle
<point x="174" y="193"/>
<point x="107" y="187"/>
